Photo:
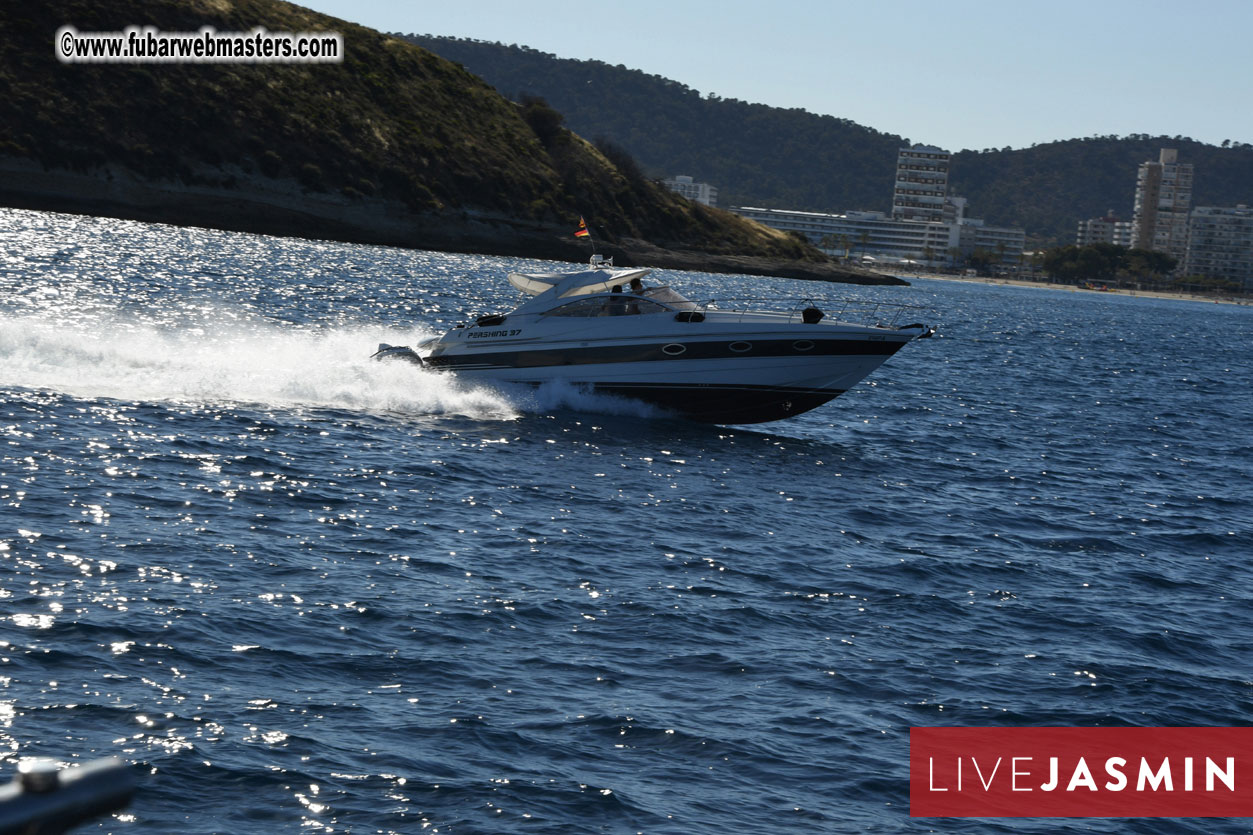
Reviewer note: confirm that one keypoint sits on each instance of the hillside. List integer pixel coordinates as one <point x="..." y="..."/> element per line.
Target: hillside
<point x="395" y="145"/>
<point x="753" y="153"/>
<point x="1047" y="189"/>
<point x="765" y="156"/>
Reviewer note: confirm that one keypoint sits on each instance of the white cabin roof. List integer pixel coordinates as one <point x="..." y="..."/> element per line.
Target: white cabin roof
<point x="574" y="284"/>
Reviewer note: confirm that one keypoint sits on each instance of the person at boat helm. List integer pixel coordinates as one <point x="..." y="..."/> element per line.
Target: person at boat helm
<point x="616" y="307"/>
<point x="637" y="286"/>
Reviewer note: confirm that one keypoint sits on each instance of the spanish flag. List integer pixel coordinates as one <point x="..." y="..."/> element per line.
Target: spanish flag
<point x="582" y="232"/>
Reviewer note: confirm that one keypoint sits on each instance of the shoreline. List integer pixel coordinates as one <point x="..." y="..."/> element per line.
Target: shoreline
<point x="284" y="209"/>
<point x="1112" y="291"/>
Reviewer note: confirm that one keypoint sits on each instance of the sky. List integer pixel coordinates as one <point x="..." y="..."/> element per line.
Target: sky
<point x="959" y="74"/>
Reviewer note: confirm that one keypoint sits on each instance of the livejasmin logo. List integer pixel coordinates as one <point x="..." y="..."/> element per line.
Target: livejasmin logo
<point x="1081" y="775"/>
<point x="1081" y="772"/>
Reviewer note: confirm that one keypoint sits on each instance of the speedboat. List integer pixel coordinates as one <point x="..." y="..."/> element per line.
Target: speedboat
<point x="602" y="330"/>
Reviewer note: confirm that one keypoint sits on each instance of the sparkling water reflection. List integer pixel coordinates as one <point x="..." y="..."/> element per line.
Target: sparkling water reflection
<point x="308" y="591"/>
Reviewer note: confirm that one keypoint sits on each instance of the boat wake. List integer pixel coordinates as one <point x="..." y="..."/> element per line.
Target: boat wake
<point x="259" y="363"/>
<point x="558" y="395"/>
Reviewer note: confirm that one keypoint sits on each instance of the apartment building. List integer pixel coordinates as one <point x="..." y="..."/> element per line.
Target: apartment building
<point x="921" y="183"/>
<point x="1163" y="200"/>
<point x="926" y="224"/>
<point x="1220" y="244"/>
<point x="885" y="238"/>
<point x="1104" y="230"/>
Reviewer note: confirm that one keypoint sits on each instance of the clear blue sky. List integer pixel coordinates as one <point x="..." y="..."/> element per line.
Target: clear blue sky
<point x="955" y="73"/>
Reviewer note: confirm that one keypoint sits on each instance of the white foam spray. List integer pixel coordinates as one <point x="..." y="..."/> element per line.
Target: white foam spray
<point x="561" y="395"/>
<point x="267" y="365"/>
<point x="255" y="363"/>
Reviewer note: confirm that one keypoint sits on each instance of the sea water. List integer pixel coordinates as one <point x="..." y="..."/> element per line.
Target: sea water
<point x="307" y="592"/>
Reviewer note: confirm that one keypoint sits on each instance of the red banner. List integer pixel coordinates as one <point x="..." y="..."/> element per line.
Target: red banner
<point x="1080" y="772"/>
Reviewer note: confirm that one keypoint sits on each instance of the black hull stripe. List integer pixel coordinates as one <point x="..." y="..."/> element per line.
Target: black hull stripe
<point x="544" y="357"/>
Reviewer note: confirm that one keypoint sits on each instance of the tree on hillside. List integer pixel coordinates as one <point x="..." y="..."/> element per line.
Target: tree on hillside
<point x="543" y="119"/>
<point x="621" y="159"/>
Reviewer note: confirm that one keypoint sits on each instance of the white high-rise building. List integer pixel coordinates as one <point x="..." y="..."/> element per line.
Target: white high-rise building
<point x="1163" y="200"/>
<point x="921" y="183"/>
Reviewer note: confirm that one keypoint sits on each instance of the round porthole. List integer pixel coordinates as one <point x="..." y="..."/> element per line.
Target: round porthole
<point x="803" y="345"/>
<point x="674" y="349"/>
<point x="740" y="347"/>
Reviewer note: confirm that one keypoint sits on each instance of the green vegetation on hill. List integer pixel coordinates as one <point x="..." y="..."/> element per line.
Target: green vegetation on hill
<point x="765" y="156"/>
<point x="1047" y="189"/>
<point x="391" y="120"/>
<point x="755" y="154"/>
<point x="393" y="135"/>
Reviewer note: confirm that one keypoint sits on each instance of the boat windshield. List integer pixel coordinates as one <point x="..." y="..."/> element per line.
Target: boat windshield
<point x="617" y="304"/>
<point x="668" y="296"/>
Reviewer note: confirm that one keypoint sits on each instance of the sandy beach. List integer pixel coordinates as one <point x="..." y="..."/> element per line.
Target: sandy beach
<point x="1215" y="298"/>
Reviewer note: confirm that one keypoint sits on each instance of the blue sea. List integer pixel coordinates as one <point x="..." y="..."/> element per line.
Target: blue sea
<point x="307" y="592"/>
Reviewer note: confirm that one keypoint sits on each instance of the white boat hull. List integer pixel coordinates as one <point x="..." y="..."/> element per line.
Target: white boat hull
<point x="721" y="375"/>
<point x="707" y="362"/>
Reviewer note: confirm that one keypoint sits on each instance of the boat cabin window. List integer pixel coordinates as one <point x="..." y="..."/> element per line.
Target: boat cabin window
<point x="618" y="304"/>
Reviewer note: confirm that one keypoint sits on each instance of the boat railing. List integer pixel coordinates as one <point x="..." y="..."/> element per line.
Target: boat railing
<point x="853" y="311"/>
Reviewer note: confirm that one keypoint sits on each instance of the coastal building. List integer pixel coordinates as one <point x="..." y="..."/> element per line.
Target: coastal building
<point x="926" y="224"/>
<point x="1220" y="244"/>
<point x="700" y="192"/>
<point x="1104" y="230"/>
<point x="880" y="237"/>
<point x="873" y="234"/>
<point x="921" y="183"/>
<point x="1163" y="200"/>
<point x="1004" y="242"/>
